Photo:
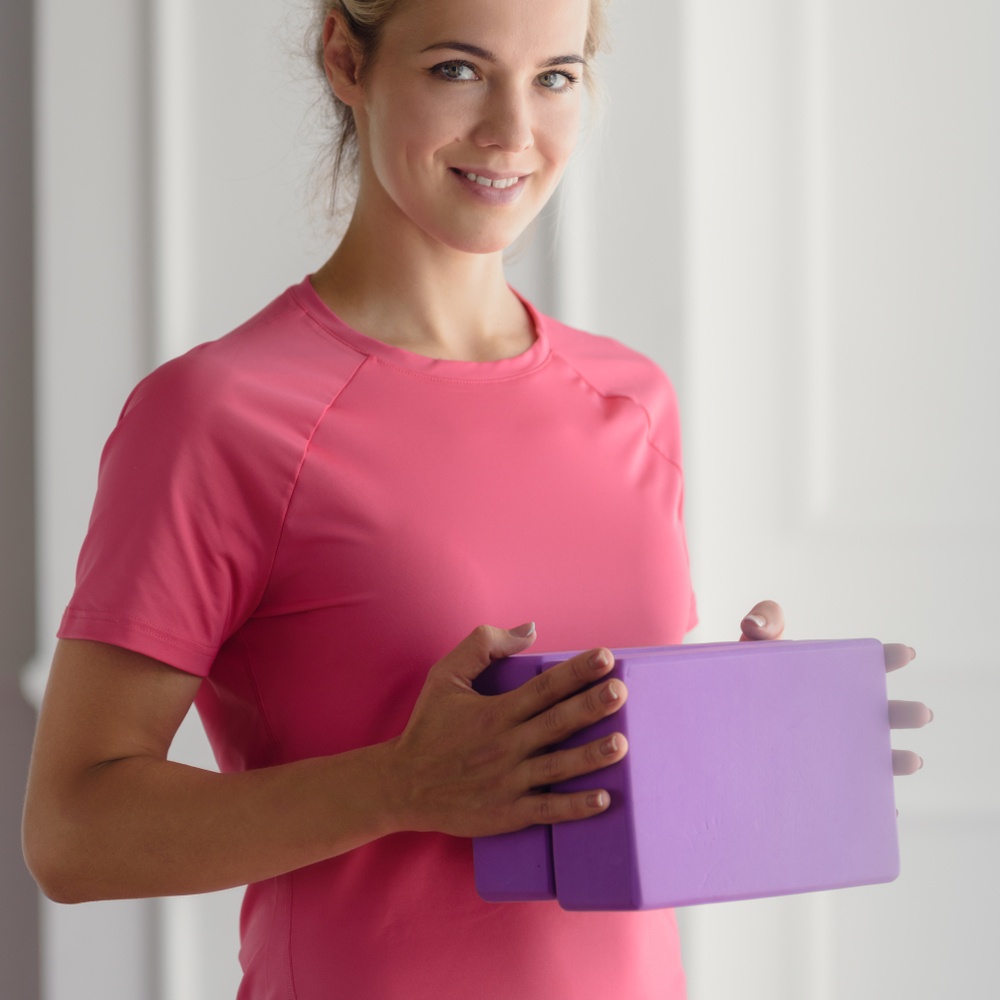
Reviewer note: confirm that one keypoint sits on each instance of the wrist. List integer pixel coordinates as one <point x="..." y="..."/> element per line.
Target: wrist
<point x="388" y="789"/>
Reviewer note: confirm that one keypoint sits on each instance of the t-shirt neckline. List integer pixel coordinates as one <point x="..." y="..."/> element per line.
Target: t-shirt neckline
<point x="399" y="357"/>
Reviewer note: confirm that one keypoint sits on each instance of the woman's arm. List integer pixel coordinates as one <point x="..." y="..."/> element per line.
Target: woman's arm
<point x="108" y="816"/>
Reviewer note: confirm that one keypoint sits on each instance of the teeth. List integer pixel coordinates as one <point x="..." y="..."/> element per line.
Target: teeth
<point x="486" y="182"/>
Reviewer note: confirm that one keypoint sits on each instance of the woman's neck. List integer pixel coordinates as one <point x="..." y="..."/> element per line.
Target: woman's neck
<point x="424" y="297"/>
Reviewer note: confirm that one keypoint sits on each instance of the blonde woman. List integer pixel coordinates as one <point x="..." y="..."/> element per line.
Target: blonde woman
<point x="298" y="525"/>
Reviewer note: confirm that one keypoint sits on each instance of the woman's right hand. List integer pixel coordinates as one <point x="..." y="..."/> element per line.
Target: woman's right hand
<point x="109" y="815"/>
<point x="472" y="765"/>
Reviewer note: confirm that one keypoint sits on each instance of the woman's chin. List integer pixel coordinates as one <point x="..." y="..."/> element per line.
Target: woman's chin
<point x="482" y="244"/>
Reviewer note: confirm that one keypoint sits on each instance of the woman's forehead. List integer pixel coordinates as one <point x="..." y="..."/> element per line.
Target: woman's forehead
<point x="506" y="28"/>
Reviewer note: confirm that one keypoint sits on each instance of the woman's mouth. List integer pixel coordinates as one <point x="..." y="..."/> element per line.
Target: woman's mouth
<point x="490" y="190"/>
<point x="499" y="182"/>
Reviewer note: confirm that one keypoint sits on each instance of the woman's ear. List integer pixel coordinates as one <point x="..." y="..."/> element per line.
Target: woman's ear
<point x="341" y="59"/>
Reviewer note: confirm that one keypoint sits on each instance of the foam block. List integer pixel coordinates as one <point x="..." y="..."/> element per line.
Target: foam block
<point x="514" y="866"/>
<point x="754" y="769"/>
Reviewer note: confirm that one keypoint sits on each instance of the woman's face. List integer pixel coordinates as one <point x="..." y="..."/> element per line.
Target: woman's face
<point x="465" y="92"/>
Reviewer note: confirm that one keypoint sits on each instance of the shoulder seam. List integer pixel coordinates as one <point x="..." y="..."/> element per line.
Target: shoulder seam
<point x="635" y="402"/>
<point x="364" y="358"/>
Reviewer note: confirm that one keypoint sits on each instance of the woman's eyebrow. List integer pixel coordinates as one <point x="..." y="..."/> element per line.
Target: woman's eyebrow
<point x="486" y="55"/>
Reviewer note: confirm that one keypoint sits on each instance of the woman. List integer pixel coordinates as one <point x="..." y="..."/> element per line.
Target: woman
<point x="294" y="522"/>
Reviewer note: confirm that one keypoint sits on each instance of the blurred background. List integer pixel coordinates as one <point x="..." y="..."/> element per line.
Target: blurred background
<point x="792" y="205"/>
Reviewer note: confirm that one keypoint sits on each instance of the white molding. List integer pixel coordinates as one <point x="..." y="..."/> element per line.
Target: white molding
<point x="816" y="233"/>
<point x="175" y="233"/>
<point x="91" y="347"/>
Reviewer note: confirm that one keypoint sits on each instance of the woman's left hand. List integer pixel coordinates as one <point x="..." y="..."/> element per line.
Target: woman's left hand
<point x="766" y="620"/>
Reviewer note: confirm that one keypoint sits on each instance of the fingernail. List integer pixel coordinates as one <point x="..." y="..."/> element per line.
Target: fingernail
<point x="930" y="714"/>
<point x="610" y="694"/>
<point x="921" y="764"/>
<point x="523" y="631"/>
<point x="913" y="652"/>
<point x="601" y="660"/>
<point x="610" y="746"/>
<point x="756" y="620"/>
<point x="597" y="801"/>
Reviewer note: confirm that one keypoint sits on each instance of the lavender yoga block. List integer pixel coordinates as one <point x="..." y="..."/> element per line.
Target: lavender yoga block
<point x="754" y="769"/>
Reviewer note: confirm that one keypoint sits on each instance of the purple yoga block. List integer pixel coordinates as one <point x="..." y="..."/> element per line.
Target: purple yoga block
<point x="754" y="769"/>
<point x="514" y="866"/>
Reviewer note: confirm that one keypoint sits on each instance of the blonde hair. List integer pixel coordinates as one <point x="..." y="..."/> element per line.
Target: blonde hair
<point x="365" y="19"/>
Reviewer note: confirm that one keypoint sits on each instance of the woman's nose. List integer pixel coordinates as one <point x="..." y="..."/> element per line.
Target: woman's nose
<point x="506" y="122"/>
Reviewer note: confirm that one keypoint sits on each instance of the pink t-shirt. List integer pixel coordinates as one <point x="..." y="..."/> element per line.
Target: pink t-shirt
<point x="297" y="510"/>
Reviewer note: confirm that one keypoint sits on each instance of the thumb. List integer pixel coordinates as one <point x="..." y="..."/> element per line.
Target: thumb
<point x="765" y="620"/>
<point x="484" y="645"/>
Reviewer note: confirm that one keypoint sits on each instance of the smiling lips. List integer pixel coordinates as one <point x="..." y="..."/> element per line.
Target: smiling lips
<point x="496" y="182"/>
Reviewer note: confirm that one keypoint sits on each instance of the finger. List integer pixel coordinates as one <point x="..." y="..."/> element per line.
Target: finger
<point x="570" y="716"/>
<point x="909" y="715"/>
<point x="897" y="655"/>
<point x="906" y="762"/>
<point x="561" y="765"/>
<point x="558" y="683"/>
<point x="765" y="620"/>
<point x="559" y="807"/>
<point x="482" y="646"/>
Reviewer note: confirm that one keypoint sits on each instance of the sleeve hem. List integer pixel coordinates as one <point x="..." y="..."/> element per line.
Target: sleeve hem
<point x="140" y="637"/>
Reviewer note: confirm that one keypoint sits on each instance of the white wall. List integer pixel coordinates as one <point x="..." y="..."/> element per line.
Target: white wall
<point x="91" y="344"/>
<point x="841" y="318"/>
<point x="789" y="205"/>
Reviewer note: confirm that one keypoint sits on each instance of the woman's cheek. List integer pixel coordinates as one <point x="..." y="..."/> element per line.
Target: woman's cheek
<point x="561" y="127"/>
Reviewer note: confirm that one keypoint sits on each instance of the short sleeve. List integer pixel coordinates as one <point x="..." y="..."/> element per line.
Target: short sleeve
<point x="619" y="371"/>
<point x="193" y="485"/>
<point x="660" y="401"/>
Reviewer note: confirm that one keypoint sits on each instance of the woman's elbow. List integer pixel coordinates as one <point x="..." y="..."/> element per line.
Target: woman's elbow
<point x="53" y="861"/>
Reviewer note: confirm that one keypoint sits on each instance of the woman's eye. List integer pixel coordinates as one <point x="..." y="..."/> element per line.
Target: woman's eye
<point x="557" y="80"/>
<point x="454" y="71"/>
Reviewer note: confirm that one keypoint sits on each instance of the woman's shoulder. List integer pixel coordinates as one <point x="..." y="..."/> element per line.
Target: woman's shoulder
<point x="277" y="366"/>
<point x="612" y="367"/>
